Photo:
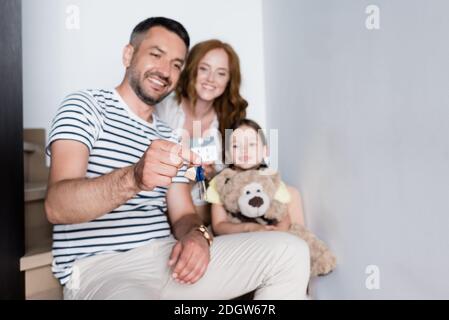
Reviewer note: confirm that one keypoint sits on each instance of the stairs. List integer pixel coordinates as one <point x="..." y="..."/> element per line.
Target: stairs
<point x="36" y="264"/>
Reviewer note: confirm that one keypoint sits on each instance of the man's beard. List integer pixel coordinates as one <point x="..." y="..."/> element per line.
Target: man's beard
<point x="134" y="82"/>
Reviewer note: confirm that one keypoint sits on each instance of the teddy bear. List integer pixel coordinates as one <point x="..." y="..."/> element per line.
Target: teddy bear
<point x="250" y="196"/>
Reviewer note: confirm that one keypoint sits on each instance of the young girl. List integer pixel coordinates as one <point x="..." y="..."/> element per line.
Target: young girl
<point x="246" y="149"/>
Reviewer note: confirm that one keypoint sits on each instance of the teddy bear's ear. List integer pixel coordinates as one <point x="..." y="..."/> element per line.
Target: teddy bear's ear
<point x="228" y="173"/>
<point x="224" y="177"/>
<point x="271" y="174"/>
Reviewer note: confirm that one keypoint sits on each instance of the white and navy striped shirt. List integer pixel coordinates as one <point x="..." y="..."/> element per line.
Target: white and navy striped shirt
<point x="116" y="138"/>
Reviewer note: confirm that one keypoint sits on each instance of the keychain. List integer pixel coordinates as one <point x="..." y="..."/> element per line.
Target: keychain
<point x="197" y="174"/>
<point x="206" y="148"/>
<point x="201" y="178"/>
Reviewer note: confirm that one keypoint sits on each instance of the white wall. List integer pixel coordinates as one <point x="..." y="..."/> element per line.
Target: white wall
<point x="57" y="61"/>
<point x="363" y="133"/>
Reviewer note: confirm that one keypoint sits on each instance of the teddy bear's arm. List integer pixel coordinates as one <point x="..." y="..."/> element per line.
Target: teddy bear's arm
<point x="222" y="224"/>
<point x="284" y="224"/>
<point x="277" y="211"/>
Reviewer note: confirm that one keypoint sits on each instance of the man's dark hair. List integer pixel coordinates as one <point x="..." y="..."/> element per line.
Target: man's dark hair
<point x="142" y="28"/>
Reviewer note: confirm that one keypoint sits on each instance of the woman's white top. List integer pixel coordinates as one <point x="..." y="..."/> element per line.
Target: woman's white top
<point x="172" y="113"/>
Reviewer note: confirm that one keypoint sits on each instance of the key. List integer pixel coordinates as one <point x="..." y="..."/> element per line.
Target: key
<point x="197" y="174"/>
<point x="200" y="178"/>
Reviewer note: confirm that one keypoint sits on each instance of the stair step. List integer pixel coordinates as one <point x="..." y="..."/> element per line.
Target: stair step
<point x="29" y="147"/>
<point x="37" y="260"/>
<point x="50" y="294"/>
<point x="35" y="191"/>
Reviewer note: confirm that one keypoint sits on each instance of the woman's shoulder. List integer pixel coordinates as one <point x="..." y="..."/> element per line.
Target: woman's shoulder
<point x="169" y="111"/>
<point x="168" y="105"/>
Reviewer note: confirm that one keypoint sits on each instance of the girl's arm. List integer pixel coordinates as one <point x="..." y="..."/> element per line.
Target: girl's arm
<point x="284" y="224"/>
<point x="221" y="225"/>
<point x="295" y="207"/>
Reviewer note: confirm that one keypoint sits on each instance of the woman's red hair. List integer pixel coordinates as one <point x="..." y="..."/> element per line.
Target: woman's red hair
<point x="230" y="107"/>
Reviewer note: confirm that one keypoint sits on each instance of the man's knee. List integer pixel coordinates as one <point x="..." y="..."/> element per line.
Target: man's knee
<point x="295" y="258"/>
<point x="298" y="250"/>
<point x="125" y="291"/>
<point x="133" y="293"/>
<point x="290" y="257"/>
<point x="288" y="244"/>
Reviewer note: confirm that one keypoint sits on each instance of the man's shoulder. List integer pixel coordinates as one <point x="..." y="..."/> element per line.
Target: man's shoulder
<point x="93" y="95"/>
<point x="102" y="94"/>
<point x="97" y="101"/>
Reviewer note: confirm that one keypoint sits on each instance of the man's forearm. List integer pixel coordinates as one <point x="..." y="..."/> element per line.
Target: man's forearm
<point x="186" y="224"/>
<point x="83" y="200"/>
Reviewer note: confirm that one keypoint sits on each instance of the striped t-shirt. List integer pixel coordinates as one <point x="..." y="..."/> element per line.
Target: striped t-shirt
<point x="116" y="138"/>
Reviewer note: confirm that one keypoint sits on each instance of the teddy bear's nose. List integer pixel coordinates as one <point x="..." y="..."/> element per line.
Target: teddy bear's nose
<point x="256" y="202"/>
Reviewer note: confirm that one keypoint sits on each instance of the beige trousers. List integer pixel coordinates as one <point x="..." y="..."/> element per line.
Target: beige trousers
<point x="275" y="264"/>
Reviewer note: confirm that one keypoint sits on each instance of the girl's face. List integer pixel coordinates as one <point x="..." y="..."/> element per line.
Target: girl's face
<point x="247" y="148"/>
<point x="213" y="75"/>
